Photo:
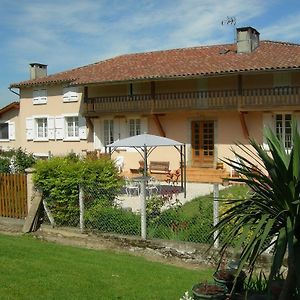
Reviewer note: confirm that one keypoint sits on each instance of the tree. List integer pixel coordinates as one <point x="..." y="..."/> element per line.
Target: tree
<point x="270" y="216"/>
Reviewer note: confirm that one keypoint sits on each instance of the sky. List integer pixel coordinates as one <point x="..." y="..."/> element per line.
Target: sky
<point x="66" y="34"/>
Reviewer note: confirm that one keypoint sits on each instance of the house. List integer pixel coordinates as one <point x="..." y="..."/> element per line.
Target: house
<point x="208" y="97"/>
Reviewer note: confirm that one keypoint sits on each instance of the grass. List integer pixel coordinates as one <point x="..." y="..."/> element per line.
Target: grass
<point x="204" y="203"/>
<point x="33" y="269"/>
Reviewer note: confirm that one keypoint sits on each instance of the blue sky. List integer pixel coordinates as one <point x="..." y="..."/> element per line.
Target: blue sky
<point x="65" y="34"/>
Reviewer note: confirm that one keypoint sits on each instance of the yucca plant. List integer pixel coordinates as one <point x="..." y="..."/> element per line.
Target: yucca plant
<point x="270" y="216"/>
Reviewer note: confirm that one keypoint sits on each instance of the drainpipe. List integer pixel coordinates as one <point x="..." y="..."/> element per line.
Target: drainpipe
<point x="10" y="89"/>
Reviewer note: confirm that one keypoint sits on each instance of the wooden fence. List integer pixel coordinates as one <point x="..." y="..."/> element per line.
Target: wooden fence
<point x="13" y="195"/>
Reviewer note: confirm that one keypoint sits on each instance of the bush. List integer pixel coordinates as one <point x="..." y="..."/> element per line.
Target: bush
<point x="112" y="219"/>
<point x="16" y="161"/>
<point x="4" y="165"/>
<point x="59" y="179"/>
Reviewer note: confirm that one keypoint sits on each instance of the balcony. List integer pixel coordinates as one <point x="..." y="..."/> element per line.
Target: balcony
<point x="242" y="100"/>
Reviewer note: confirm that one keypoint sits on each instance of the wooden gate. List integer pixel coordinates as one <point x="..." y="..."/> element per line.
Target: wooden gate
<point x="13" y="195"/>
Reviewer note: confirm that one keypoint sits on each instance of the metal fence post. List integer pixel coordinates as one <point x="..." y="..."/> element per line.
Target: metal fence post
<point x="216" y="213"/>
<point x="143" y="208"/>
<point x="81" y="209"/>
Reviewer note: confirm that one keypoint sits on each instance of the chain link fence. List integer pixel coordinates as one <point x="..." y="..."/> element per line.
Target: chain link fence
<point x="118" y="211"/>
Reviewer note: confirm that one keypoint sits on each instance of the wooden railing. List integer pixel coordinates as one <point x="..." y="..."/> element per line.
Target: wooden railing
<point x="13" y="195"/>
<point x="217" y="99"/>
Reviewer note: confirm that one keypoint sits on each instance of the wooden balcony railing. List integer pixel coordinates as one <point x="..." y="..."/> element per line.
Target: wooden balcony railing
<point x="245" y="99"/>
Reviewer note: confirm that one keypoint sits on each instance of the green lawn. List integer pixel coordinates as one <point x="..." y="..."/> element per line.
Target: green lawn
<point x="32" y="269"/>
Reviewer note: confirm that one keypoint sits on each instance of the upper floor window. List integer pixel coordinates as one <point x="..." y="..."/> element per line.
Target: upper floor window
<point x="108" y="132"/>
<point x="134" y="127"/>
<point x="72" y="127"/>
<point x="39" y="96"/>
<point x="283" y="127"/>
<point x="4" y="131"/>
<point x="70" y="94"/>
<point x="41" y="128"/>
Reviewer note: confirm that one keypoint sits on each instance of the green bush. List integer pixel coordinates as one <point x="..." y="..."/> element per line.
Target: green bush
<point x="17" y="158"/>
<point x="59" y="179"/>
<point x="112" y="219"/>
<point x="4" y="165"/>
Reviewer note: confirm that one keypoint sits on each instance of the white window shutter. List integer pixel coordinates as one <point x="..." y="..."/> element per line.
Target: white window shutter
<point x="59" y="128"/>
<point x="36" y="97"/>
<point x="11" y="131"/>
<point x="82" y="128"/>
<point x="51" y="128"/>
<point x="43" y="96"/>
<point x="144" y="125"/>
<point x="268" y="122"/>
<point x="29" y="128"/>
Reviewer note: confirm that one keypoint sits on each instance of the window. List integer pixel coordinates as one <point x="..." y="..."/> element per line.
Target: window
<point x="134" y="127"/>
<point x="108" y="132"/>
<point x="40" y="96"/>
<point x="70" y="94"/>
<point x="41" y="128"/>
<point x="283" y="127"/>
<point x="4" y="131"/>
<point x="72" y="127"/>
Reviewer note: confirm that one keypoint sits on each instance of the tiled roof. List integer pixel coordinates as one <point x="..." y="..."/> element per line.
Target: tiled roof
<point x="185" y="62"/>
<point x="8" y="107"/>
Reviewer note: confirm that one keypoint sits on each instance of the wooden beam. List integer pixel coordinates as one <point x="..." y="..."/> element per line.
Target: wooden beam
<point x="243" y="124"/>
<point x="159" y="125"/>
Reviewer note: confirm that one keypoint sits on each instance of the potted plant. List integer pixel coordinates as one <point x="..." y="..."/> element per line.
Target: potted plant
<point x="227" y="277"/>
<point x="211" y="291"/>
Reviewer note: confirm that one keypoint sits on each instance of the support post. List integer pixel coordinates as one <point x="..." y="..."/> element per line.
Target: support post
<point x="216" y="213"/>
<point x="81" y="209"/>
<point x="143" y="208"/>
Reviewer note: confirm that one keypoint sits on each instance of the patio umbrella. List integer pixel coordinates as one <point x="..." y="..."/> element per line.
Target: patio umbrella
<point x="146" y="143"/>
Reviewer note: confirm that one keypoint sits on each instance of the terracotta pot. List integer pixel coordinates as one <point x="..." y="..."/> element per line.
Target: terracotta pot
<point x="202" y="291"/>
<point x="226" y="277"/>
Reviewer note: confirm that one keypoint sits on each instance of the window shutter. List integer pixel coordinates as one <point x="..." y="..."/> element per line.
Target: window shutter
<point x="59" y="127"/>
<point x="11" y="131"/>
<point x="144" y="125"/>
<point x="82" y="128"/>
<point x="70" y="94"/>
<point x="29" y="128"/>
<point x="36" y="97"/>
<point x="268" y="122"/>
<point x="51" y="128"/>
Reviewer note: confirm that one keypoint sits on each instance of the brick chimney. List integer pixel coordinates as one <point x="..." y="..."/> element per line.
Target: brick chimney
<point x="247" y="39"/>
<point x="37" y="70"/>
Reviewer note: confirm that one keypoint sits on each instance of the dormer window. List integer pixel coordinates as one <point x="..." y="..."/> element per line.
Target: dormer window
<point x="70" y="94"/>
<point x="39" y="96"/>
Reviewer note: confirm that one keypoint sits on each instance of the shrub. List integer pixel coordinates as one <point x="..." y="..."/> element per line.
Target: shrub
<point x="4" y="165"/>
<point x="112" y="219"/>
<point x="16" y="161"/>
<point x="59" y="179"/>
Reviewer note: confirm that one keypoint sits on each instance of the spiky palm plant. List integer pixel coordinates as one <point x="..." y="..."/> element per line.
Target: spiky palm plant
<point x="270" y="216"/>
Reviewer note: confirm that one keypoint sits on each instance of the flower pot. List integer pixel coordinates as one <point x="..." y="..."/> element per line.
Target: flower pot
<point x="202" y="291"/>
<point x="226" y="278"/>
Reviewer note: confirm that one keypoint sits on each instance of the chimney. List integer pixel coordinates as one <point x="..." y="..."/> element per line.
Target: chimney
<point x="247" y="39"/>
<point x="37" y="70"/>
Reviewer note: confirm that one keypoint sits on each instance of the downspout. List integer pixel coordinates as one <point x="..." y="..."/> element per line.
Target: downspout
<point x="10" y="89"/>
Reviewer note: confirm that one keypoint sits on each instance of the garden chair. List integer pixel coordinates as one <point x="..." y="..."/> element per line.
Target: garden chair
<point x="132" y="188"/>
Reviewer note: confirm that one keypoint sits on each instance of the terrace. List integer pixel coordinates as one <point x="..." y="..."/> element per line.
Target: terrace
<point x="234" y="99"/>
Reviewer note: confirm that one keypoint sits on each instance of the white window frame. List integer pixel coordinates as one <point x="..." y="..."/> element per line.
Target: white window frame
<point x="284" y="135"/>
<point x="108" y="131"/>
<point x="135" y="126"/>
<point x="75" y="128"/>
<point x="45" y="135"/>
<point x="7" y="139"/>
<point x="39" y="96"/>
<point x="70" y="94"/>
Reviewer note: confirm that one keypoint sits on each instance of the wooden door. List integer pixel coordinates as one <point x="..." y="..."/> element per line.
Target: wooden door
<point x="203" y="143"/>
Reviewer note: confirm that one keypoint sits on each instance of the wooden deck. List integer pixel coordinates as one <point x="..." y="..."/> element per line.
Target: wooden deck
<point x="197" y="175"/>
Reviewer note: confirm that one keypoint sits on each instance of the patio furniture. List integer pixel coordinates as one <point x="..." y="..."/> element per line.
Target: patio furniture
<point x="132" y="188"/>
<point x="152" y="186"/>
